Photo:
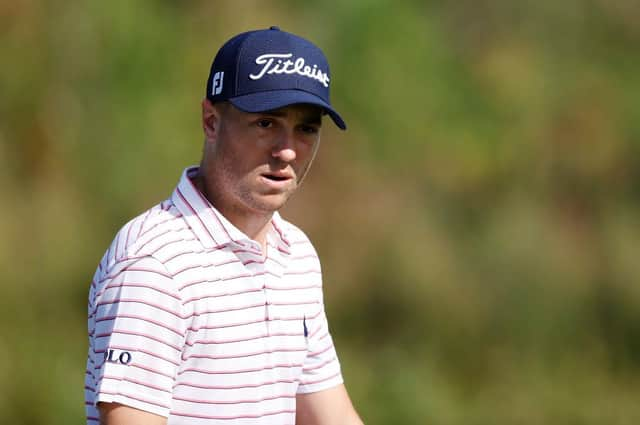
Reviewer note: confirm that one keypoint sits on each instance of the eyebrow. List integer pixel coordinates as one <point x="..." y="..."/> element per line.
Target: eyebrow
<point x="313" y="119"/>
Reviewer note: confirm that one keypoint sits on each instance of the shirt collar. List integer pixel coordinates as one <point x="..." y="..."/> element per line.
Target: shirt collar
<point x="278" y="232"/>
<point x="210" y="226"/>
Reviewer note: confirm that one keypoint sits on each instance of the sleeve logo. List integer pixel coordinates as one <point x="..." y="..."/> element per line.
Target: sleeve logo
<point x="117" y="356"/>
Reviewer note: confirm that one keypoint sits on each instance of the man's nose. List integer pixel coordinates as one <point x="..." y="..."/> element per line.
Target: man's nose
<point x="284" y="148"/>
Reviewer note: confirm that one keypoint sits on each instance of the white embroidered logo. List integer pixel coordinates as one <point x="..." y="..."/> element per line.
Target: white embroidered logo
<point x="274" y="64"/>
<point x="216" y="87"/>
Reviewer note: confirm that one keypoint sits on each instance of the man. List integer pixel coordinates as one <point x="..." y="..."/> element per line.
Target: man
<point x="207" y="308"/>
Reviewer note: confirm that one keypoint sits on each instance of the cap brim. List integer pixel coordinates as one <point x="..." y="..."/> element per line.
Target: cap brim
<point x="275" y="99"/>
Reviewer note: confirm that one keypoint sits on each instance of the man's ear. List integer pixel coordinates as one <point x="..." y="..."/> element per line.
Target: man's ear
<point x="210" y="120"/>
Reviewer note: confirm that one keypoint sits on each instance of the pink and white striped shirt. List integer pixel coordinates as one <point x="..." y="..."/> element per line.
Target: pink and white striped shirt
<point x="188" y="321"/>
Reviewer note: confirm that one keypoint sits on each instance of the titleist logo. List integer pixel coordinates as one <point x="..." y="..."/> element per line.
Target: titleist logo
<point x="274" y="63"/>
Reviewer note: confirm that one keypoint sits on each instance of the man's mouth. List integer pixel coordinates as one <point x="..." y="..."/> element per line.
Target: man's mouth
<point x="277" y="177"/>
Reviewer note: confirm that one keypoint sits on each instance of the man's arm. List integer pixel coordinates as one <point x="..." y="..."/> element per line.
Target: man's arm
<point x="119" y="414"/>
<point x="328" y="407"/>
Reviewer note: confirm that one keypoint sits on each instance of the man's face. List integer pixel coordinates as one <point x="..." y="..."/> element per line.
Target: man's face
<point x="255" y="161"/>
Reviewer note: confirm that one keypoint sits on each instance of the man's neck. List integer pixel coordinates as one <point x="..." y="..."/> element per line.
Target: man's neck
<point x="255" y="225"/>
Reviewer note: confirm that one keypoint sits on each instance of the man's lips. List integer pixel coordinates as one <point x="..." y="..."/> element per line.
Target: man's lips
<point x="277" y="176"/>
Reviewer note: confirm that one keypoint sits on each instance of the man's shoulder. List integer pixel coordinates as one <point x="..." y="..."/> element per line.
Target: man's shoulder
<point x="154" y="222"/>
<point x="144" y="230"/>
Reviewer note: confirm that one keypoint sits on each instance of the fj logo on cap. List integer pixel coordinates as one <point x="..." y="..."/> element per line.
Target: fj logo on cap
<point x="217" y="83"/>
<point x="274" y="63"/>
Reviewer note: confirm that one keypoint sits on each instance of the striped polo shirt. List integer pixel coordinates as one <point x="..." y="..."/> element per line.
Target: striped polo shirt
<point x="188" y="320"/>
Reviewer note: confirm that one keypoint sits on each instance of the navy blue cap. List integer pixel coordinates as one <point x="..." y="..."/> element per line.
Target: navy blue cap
<point x="263" y="70"/>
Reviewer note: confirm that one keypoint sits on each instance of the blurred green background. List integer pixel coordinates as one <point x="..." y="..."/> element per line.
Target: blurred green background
<point x="479" y="222"/>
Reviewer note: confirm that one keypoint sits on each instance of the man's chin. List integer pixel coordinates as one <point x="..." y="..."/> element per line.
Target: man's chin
<point x="270" y="203"/>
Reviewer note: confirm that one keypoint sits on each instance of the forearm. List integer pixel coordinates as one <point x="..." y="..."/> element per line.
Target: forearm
<point x="118" y="414"/>
<point x="349" y="417"/>
<point x="329" y="407"/>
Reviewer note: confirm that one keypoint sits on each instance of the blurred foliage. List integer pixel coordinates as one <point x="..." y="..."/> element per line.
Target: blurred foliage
<point x="478" y="223"/>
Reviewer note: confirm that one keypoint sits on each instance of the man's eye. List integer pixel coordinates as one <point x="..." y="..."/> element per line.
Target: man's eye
<point x="309" y="129"/>
<point x="264" y="123"/>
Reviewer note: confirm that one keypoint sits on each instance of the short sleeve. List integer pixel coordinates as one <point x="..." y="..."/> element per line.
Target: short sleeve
<point x="321" y="368"/>
<point x="136" y="334"/>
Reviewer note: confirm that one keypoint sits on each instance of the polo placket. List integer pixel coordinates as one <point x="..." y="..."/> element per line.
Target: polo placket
<point x="268" y="271"/>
